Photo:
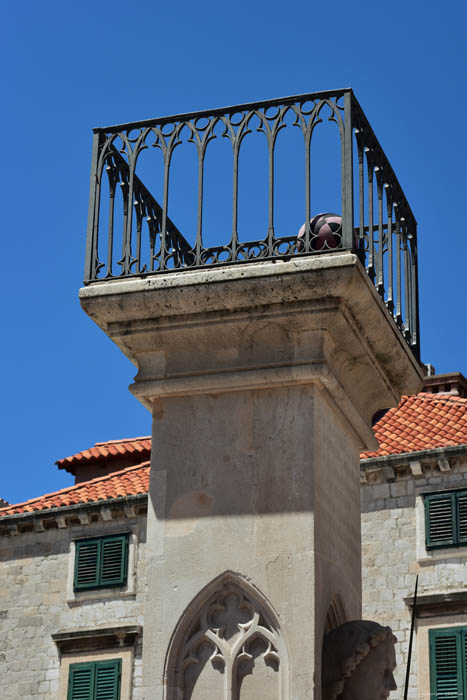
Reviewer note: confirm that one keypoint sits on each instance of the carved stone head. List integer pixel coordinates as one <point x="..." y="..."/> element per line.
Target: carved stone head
<point x="358" y="662"/>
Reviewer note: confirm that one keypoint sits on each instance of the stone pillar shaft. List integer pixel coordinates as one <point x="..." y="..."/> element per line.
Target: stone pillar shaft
<point x="262" y="380"/>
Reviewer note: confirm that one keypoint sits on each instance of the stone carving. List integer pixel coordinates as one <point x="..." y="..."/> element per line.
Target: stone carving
<point x="231" y="651"/>
<point x="336" y="614"/>
<point x="358" y="662"/>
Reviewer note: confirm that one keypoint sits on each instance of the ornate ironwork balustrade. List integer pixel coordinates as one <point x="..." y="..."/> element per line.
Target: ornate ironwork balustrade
<point x="130" y="233"/>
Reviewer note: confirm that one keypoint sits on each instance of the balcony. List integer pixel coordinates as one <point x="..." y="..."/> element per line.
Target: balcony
<point x="274" y="190"/>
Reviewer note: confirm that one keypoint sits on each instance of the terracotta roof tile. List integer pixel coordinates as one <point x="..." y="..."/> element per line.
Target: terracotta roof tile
<point x="107" y="450"/>
<point x="421" y="422"/>
<point x="127" y="482"/>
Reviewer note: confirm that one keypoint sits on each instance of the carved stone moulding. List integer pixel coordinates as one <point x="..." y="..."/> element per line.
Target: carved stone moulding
<point x="439" y="604"/>
<point x="413" y="465"/>
<point x="98" y="638"/>
<point x="126" y="508"/>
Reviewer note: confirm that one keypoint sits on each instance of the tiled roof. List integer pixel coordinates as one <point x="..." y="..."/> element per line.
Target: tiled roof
<point x="105" y="451"/>
<point x="127" y="482"/>
<point x="421" y="422"/>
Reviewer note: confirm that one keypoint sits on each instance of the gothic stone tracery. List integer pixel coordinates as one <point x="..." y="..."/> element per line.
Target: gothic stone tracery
<point x="230" y="651"/>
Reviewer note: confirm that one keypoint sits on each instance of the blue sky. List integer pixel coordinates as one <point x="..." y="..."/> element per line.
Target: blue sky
<point x="67" y="67"/>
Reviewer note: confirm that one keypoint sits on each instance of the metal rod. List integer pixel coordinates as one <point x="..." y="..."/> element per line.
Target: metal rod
<point x="390" y="296"/>
<point x="139" y="226"/>
<point x="124" y="188"/>
<point x="175" y="253"/>
<point x="110" y="239"/>
<point x="199" y="220"/>
<point x="371" y="239"/>
<point x="127" y="242"/>
<point x="416" y="320"/>
<point x="407" y="285"/>
<point x="153" y="225"/>
<point x="271" y="143"/>
<point x="398" y="316"/>
<point x="347" y="174"/>
<point x="91" y="242"/>
<point x="307" y="135"/>
<point x="361" y="196"/>
<point x="412" y="627"/>
<point x="163" y="233"/>
<point x="379" y="259"/>
<point x="234" y="242"/>
<point x="359" y="116"/>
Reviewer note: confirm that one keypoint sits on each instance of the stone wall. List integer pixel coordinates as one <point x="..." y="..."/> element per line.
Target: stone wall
<point x="36" y="600"/>
<point x="35" y="603"/>
<point x="393" y="553"/>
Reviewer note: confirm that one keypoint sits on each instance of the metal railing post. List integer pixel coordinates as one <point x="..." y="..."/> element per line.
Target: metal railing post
<point x="415" y="310"/>
<point x="347" y="184"/>
<point x="379" y="247"/>
<point x="91" y="233"/>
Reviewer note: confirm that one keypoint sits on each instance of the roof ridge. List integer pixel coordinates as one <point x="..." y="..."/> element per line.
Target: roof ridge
<point x="441" y="395"/>
<point x="96" y="480"/>
<point x="103" y="451"/>
<point x="415" y="453"/>
<point x="113" y="442"/>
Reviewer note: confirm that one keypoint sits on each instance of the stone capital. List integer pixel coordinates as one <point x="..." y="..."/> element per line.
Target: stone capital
<point x="263" y="325"/>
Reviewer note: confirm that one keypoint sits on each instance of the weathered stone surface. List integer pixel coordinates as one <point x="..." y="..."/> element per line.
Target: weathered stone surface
<point x="393" y="553"/>
<point x="262" y="380"/>
<point x="260" y="509"/>
<point x="265" y="323"/>
<point x="34" y="570"/>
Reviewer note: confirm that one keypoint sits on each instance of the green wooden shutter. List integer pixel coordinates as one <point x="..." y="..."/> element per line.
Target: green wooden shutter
<point x="446" y="664"/>
<point x="81" y="682"/>
<point x="440" y="517"/>
<point x="107" y="680"/>
<point x="461" y="501"/>
<point x="87" y="562"/>
<point x="114" y="558"/>
<point x="464" y="657"/>
<point x="99" y="680"/>
<point x="101" y="562"/>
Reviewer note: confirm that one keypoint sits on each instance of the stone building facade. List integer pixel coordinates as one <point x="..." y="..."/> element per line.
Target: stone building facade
<point x="45" y="624"/>
<point x="47" y="627"/>
<point x="423" y="452"/>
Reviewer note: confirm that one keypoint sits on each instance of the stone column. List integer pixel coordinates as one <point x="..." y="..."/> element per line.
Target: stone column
<point x="262" y="380"/>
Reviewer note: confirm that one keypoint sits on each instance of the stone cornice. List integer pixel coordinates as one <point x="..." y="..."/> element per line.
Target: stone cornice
<point x="126" y="507"/>
<point x="389" y="468"/>
<point x="439" y="604"/>
<point x="413" y="465"/>
<point x="101" y="638"/>
<point x="267" y="325"/>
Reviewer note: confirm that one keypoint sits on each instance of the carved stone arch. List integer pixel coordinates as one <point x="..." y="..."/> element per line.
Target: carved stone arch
<point x="227" y="645"/>
<point x="336" y="614"/>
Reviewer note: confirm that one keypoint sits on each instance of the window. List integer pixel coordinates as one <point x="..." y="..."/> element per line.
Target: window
<point x="98" y="680"/>
<point x="101" y="562"/>
<point x="446" y="519"/>
<point x="448" y="663"/>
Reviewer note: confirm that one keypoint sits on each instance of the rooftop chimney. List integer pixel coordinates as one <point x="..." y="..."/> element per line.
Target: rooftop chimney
<point x="453" y="383"/>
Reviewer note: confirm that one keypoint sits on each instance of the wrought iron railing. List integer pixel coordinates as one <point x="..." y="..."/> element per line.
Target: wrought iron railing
<point x="130" y="233"/>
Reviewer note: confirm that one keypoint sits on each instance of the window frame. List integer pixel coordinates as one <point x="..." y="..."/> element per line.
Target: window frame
<point x="98" y="583"/>
<point x="454" y="495"/>
<point x="93" y="667"/>
<point x="460" y="635"/>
